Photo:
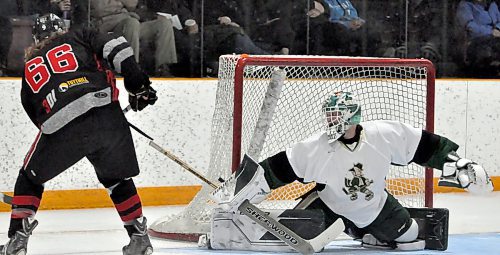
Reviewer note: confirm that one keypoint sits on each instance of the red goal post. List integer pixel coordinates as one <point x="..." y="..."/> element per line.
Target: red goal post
<point x="396" y="89"/>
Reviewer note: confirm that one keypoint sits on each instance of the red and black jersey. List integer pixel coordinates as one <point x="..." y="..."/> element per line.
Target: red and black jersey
<point x="68" y="76"/>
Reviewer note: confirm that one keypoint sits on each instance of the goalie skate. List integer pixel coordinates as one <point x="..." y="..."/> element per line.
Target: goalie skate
<point x="18" y="244"/>
<point x="247" y="183"/>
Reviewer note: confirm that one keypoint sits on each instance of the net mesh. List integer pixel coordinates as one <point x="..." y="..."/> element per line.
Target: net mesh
<point x="385" y="91"/>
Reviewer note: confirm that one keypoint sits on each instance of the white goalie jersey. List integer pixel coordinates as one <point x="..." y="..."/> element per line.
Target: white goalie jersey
<point x="354" y="177"/>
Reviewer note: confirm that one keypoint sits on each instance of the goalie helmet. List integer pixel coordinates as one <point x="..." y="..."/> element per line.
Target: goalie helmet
<point x="46" y="25"/>
<point x="341" y="111"/>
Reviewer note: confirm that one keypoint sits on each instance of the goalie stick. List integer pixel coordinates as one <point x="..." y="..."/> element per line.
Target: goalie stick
<point x="266" y="114"/>
<point x="4" y="198"/>
<point x="286" y="235"/>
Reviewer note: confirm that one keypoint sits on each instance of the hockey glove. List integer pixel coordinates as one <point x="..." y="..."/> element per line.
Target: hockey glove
<point x="144" y="97"/>
<point x="135" y="82"/>
<point x="465" y="174"/>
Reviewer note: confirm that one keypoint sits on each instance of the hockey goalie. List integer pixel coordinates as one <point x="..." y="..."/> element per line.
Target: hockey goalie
<point x="349" y="162"/>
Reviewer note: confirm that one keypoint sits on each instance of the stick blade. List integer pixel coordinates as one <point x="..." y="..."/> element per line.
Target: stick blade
<point x="330" y="234"/>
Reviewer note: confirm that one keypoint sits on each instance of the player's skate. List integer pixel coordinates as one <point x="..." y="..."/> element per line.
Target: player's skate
<point x="247" y="183"/>
<point x="18" y="244"/>
<point x="139" y="241"/>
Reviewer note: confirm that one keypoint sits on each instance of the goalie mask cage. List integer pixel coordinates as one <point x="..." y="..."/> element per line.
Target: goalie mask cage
<point x="389" y="89"/>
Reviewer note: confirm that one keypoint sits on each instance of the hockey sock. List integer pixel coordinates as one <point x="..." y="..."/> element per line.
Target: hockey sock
<point x="127" y="203"/>
<point x="27" y="197"/>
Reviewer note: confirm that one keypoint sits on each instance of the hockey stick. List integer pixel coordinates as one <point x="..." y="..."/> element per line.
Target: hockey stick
<point x="300" y="244"/>
<point x="170" y="155"/>
<point x="181" y="163"/>
<point x="4" y="198"/>
<point x="126" y="109"/>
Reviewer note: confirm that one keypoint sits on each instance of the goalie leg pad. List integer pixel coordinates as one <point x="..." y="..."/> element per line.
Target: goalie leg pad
<point x="433" y="226"/>
<point x="411" y="233"/>
<point x="235" y="231"/>
<point x="248" y="182"/>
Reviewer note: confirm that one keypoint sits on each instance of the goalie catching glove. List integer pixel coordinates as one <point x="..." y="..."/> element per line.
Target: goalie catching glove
<point x="466" y="174"/>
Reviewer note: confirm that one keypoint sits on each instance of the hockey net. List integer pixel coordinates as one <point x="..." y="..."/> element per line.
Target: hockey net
<point x="389" y="89"/>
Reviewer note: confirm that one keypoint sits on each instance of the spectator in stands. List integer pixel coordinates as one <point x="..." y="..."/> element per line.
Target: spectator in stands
<point x="118" y="16"/>
<point x="79" y="14"/>
<point x="222" y="32"/>
<point x="40" y="7"/>
<point x="299" y="22"/>
<point x="74" y="11"/>
<point x="180" y="12"/>
<point x="270" y="24"/>
<point x="225" y="25"/>
<point x="415" y="34"/>
<point x="338" y="30"/>
<point x="480" y="19"/>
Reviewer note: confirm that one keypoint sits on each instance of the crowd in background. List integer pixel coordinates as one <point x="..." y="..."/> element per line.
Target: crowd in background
<point x="184" y="38"/>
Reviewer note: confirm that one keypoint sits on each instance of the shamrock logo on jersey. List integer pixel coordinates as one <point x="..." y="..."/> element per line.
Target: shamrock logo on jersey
<point x="358" y="183"/>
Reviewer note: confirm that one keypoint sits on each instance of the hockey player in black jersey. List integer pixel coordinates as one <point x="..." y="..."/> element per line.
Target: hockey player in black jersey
<point x="70" y="95"/>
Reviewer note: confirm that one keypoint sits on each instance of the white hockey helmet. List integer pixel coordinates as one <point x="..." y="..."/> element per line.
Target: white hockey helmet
<point x="341" y="111"/>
